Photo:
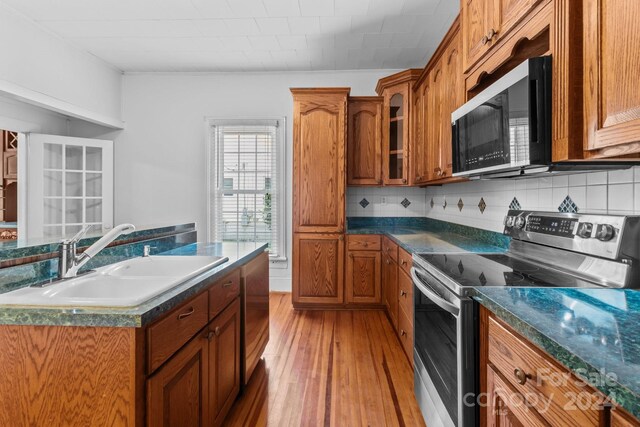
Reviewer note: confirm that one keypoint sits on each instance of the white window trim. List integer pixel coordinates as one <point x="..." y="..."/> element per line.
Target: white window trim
<point x="209" y="121"/>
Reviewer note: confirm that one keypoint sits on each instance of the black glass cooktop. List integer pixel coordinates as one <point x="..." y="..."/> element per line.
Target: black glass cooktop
<point x="500" y="270"/>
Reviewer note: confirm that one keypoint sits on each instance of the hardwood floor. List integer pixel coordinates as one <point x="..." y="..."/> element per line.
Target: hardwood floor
<point x="328" y="368"/>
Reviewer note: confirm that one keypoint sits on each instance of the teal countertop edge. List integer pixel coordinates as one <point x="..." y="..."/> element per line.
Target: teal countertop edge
<point x="427" y="235"/>
<point x="16" y="249"/>
<point x="592" y="363"/>
<point x="238" y="254"/>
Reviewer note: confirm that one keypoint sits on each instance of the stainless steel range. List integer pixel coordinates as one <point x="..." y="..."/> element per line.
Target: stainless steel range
<point x="547" y="250"/>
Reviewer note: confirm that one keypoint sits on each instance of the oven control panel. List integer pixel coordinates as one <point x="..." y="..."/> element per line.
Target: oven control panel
<point x="591" y="234"/>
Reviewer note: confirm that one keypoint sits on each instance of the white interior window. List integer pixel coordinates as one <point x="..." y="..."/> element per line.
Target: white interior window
<point x="246" y="183"/>
<point x="70" y="185"/>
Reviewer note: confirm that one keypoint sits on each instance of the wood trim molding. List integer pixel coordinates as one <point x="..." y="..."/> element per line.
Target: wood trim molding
<point x="444" y="44"/>
<point x="409" y="75"/>
<point x="320" y="90"/>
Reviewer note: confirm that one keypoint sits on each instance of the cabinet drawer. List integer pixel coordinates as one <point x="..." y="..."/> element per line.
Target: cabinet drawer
<point x="405" y="293"/>
<point x="166" y="336"/>
<point x="405" y="261"/>
<point x="532" y="373"/>
<point x="223" y="292"/>
<point x="363" y="242"/>
<point x="405" y="333"/>
<point x="390" y="248"/>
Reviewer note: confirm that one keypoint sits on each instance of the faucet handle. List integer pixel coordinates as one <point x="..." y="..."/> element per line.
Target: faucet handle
<point x="80" y="234"/>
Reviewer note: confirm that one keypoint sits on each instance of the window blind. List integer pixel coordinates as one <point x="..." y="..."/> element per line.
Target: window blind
<point x="246" y="183"/>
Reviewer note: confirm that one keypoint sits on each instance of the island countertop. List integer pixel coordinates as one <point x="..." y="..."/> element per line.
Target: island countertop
<point x="595" y="333"/>
<point x="143" y="314"/>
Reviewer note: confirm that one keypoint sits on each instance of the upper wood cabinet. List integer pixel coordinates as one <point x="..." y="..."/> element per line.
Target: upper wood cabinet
<point x="612" y="76"/>
<point x="318" y="269"/>
<point x="319" y="159"/>
<point x="438" y="92"/>
<point x="397" y="91"/>
<point x="485" y="22"/>
<point x="364" y="142"/>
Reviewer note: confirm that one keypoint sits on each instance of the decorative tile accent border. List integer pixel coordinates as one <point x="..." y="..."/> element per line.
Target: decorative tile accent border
<point x="364" y="203"/>
<point x="567" y="206"/>
<point x="460" y="205"/>
<point x="515" y="205"/>
<point x="482" y="205"/>
<point x="405" y="203"/>
<point x="432" y="203"/>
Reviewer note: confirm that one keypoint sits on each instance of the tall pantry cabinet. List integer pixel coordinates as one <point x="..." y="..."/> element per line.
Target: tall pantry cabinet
<point x="319" y="186"/>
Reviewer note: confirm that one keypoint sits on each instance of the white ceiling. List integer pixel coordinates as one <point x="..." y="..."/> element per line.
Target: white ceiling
<point x="248" y="35"/>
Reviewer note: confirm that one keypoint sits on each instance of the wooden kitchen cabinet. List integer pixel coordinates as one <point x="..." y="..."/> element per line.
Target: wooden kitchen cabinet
<point x="224" y="361"/>
<point x="200" y="383"/>
<point x="318" y="269"/>
<point x="485" y="22"/>
<point x="177" y="395"/>
<point x="611" y="71"/>
<point x="364" y="271"/>
<point x="513" y="371"/>
<point x="390" y="279"/>
<point x="319" y="159"/>
<point x="364" y="142"/>
<point x="441" y="91"/>
<point x="397" y="91"/>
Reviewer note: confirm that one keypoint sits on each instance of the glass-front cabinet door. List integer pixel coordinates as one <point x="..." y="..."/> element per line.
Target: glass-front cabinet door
<point x="396" y="136"/>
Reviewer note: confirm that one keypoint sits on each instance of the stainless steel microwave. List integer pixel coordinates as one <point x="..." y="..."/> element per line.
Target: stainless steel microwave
<point x="506" y="129"/>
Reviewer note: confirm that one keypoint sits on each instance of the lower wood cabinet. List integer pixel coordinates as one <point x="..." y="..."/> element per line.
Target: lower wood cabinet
<point x="199" y="384"/>
<point x="318" y="269"/>
<point x="527" y="387"/>
<point x="390" y="288"/>
<point x="364" y="277"/>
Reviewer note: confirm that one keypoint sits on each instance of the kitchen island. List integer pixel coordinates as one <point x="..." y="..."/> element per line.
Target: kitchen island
<point x="174" y="357"/>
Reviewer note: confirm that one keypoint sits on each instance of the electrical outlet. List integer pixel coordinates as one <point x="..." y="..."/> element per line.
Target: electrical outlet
<point x="383" y="200"/>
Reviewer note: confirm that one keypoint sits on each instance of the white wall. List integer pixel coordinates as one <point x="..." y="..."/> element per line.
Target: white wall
<point x="160" y="156"/>
<point x="39" y="63"/>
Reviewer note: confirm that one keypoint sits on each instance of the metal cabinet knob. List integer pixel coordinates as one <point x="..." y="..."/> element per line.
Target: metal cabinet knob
<point x="217" y="331"/>
<point x="484" y="40"/>
<point x="404" y="180"/>
<point x="521" y="376"/>
<point x="403" y="293"/>
<point x="402" y="332"/>
<point x="491" y="34"/>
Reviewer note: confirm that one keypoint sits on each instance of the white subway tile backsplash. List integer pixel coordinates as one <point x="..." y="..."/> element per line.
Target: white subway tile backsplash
<point x="596" y="178"/>
<point x="620" y="197"/>
<point x="595" y="192"/>
<point x="621" y="176"/>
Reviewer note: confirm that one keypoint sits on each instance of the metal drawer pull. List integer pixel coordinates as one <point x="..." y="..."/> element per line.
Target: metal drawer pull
<point x="402" y="332"/>
<point x="210" y="335"/>
<point x="365" y="244"/>
<point x="217" y="331"/>
<point x="186" y="314"/>
<point x="403" y="262"/>
<point x="521" y="376"/>
<point x="226" y="285"/>
<point x="403" y="293"/>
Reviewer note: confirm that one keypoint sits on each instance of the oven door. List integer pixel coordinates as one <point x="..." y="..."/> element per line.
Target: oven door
<point x="444" y="353"/>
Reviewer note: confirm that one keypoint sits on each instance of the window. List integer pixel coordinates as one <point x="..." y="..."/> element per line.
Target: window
<point x="246" y="182"/>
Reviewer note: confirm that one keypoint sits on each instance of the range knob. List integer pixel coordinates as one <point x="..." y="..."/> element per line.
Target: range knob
<point x="508" y="221"/>
<point x="520" y="222"/>
<point x="584" y="230"/>
<point x="605" y="232"/>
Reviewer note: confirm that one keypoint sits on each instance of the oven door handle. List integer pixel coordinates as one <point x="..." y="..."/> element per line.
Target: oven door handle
<point x="429" y="293"/>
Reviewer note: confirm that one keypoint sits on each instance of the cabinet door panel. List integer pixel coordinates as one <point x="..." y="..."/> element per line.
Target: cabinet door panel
<point x="390" y="285"/>
<point x="396" y="135"/>
<point x="364" y="277"/>
<point x="507" y="408"/>
<point x="364" y="145"/>
<point x="435" y="116"/>
<point x="418" y="154"/>
<point x="177" y="393"/>
<point x="318" y="268"/>
<point x="224" y="368"/>
<point x="475" y="14"/>
<point x="611" y="83"/>
<point x="319" y="162"/>
<point x="452" y="93"/>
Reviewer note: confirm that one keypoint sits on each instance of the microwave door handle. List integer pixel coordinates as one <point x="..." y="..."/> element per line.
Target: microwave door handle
<point x="438" y="300"/>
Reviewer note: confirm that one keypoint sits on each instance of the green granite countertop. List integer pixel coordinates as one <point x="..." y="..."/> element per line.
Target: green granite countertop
<point x="593" y="332"/>
<point x="425" y="235"/>
<point x="238" y="254"/>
